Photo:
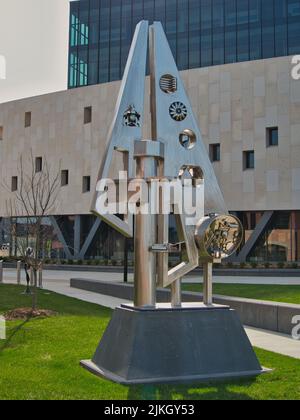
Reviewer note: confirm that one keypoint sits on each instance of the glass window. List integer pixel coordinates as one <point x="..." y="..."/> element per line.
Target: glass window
<point x="160" y="11"/>
<point x="268" y="29"/>
<point x="115" y="41"/>
<point x="87" y="117"/>
<point x="272" y="137"/>
<point x="218" y="32"/>
<point x="14" y="183"/>
<point x="230" y="40"/>
<point x="83" y="25"/>
<point x="281" y="33"/>
<point x="215" y="152"/>
<point x="206" y="33"/>
<point x="249" y="160"/>
<point x="183" y="36"/>
<point x="38" y="164"/>
<point x="242" y="30"/>
<point x="171" y="25"/>
<point x="201" y="33"/>
<point x="64" y="178"/>
<point x="27" y="119"/>
<point x="82" y="66"/>
<point x="194" y="34"/>
<point x="104" y="41"/>
<point x="86" y="184"/>
<point x="74" y="24"/>
<point x="126" y="32"/>
<point x="280" y="240"/>
<point x="294" y="26"/>
<point x="149" y="10"/>
<point x="137" y="12"/>
<point x="255" y="29"/>
<point x="94" y="21"/>
<point x="1" y="132"/>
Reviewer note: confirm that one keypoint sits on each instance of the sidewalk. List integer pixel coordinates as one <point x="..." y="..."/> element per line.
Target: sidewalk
<point x="277" y="343"/>
<point x="10" y="274"/>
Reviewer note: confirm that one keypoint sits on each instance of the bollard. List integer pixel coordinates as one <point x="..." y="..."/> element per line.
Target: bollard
<point x="19" y="272"/>
<point x="41" y="277"/>
<point x="1" y="271"/>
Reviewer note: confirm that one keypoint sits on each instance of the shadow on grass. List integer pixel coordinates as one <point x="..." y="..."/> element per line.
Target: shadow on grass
<point x="15" y="331"/>
<point x="200" y="391"/>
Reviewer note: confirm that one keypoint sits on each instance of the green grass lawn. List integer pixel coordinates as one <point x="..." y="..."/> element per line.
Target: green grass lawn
<point x="287" y="294"/>
<point x="40" y="360"/>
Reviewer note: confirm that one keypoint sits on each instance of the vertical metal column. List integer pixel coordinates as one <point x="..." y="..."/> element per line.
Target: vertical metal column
<point x="207" y="283"/>
<point x="145" y="237"/>
<point x="176" y="294"/>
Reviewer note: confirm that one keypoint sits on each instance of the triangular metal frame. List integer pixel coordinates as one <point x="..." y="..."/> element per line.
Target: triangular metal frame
<point x="122" y="137"/>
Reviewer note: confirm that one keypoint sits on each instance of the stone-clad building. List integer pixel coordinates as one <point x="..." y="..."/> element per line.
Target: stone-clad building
<point x="236" y="62"/>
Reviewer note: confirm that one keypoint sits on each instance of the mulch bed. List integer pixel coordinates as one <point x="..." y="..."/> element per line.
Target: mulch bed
<point x="27" y="313"/>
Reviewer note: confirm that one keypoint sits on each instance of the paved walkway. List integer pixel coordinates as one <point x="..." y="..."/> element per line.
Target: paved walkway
<point x="270" y="341"/>
<point x="10" y="274"/>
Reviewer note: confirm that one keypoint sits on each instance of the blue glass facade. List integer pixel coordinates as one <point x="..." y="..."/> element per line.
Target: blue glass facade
<point x="201" y="33"/>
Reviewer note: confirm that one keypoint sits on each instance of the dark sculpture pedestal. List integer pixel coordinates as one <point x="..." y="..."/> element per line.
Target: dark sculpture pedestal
<point x="192" y="344"/>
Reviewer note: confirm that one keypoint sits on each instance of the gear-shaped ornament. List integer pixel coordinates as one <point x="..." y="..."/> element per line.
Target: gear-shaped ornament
<point x="178" y="111"/>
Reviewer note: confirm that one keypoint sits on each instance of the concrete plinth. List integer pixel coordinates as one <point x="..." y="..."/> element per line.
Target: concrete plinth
<point x="195" y="343"/>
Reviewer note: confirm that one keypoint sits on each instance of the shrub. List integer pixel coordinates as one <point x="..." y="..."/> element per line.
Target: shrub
<point x="295" y="265"/>
<point x="79" y="262"/>
<point x="254" y="264"/>
<point x="70" y="262"/>
<point x="280" y="264"/>
<point x="267" y="265"/>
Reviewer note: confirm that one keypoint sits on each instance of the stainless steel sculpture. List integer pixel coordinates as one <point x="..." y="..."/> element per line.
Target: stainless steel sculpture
<point x="175" y="150"/>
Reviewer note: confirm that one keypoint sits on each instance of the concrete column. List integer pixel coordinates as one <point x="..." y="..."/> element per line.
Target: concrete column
<point x="77" y="234"/>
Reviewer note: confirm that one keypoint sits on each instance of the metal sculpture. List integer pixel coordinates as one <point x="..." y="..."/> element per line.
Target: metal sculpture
<point x="175" y="151"/>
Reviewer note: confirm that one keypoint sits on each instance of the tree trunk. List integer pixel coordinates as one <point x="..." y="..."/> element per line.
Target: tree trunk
<point x="34" y="293"/>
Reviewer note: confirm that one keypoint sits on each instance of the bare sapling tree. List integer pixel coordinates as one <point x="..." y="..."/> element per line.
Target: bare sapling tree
<point x="35" y="198"/>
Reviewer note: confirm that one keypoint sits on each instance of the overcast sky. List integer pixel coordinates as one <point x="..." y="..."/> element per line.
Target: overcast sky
<point x="34" y="42"/>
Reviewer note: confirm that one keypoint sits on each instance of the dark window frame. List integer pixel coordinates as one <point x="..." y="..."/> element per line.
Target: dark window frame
<point x="249" y="160"/>
<point x="88" y="115"/>
<point x="215" y="152"/>
<point x="271" y="142"/>
<point x="38" y="164"/>
<point x="27" y="119"/>
<point x="64" y="177"/>
<point x="14" y="183"/>
<point x="86" y="184"/>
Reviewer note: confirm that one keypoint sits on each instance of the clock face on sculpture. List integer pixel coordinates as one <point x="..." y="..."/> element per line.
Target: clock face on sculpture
<point x="218" y="237"/>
